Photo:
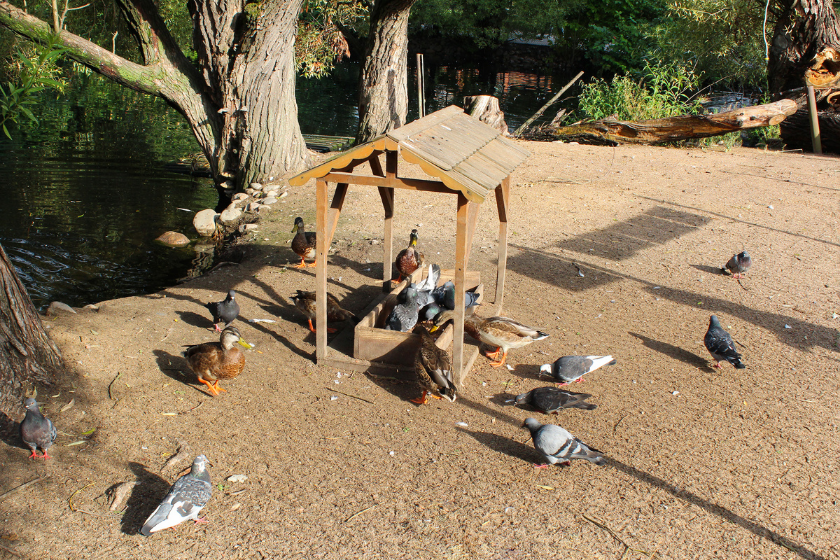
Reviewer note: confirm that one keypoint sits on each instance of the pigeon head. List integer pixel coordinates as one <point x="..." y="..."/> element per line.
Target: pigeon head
<point x="545" y="369"/>
<point x="744" y="255"/>
<point x="298" y="224"/>
<point x="231" y="295"/>
<point x="532" y="424"/>
<point x="522" y="399"/>
<point x="31" y="404"/>
<point x="199" y="464"/>
<point x="714" y="323"/>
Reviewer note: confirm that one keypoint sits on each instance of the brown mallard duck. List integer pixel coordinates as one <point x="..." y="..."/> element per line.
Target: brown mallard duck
<point x="303" y="243"/>
<point x="409" y="259"/>
<point x="305" y="301"/>
<point x="212" y="361"/>
<point x="502" y="332"/>
<point x="433" y="369"/>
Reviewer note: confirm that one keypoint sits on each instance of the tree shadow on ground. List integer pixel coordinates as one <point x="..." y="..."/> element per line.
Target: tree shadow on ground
<point x="672" y="351"/>
<point x="622" y="240"/>
<point x="541" y="262"/>
<point x="144" y="499"/>
<point x="715" y="509"/>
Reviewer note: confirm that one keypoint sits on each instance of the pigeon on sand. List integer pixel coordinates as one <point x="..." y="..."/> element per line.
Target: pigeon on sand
<point x="36" y="430"/>
<point x="224" y="311"/>
<point x="552" y="399"/>
<point x="185" y="500"/>
<point x="559" y="446"/>
<point x="573" y="368"/>
<point x="739" y="264"/>
<point x="720" y="345"/>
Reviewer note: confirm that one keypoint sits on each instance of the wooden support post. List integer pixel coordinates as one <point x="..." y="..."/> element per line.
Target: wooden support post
<point x="335" y="211"/>
<point x="472" y="218"/>
<point x="387" y="196"/>
<point x="816" y="141"/>
<point x="502" y="201"/>
<point x="321" y="246"/>
<point x="460" y="276"/>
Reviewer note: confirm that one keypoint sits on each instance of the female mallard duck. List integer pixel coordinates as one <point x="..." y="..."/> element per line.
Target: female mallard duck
<point x="303" y="243"/>
<point x="501" y="332"/>
<point x="433" y="369"/>
<point x="212" y="361"/>
<point x="305" y="301"/>
<point x="409" y="259"/>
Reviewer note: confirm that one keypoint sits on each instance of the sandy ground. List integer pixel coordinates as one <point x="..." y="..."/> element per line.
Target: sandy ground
<point x="702" y="463"/>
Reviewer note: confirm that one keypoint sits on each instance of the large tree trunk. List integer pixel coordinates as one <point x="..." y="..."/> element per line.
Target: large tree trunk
<point x="383" y="84"/>
<point x="672" y="129"/>
<point x="239" y="101"/>
<point x="27" y="354"/>
<point x="806" y="49"/>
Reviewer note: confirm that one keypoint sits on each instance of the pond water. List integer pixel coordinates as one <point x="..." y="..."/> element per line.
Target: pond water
<point x="85" y="192"/>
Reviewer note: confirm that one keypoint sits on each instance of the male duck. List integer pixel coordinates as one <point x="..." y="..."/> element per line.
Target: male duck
<point x="409" y="259"/>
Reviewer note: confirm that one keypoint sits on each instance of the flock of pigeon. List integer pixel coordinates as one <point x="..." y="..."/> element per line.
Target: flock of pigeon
<point x="421" y="303"/>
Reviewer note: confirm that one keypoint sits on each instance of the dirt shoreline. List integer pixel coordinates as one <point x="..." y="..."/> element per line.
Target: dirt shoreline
<point x="702" y="463"/>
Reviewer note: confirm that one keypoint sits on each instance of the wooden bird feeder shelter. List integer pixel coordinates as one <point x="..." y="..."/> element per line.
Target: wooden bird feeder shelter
<point x="467" y="158"/>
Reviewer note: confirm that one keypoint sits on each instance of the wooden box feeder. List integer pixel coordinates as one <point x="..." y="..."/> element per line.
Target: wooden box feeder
<point x="468" y="159"/>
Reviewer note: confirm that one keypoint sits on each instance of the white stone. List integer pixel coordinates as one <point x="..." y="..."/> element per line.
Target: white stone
<point x="272" y="192"/>
<point x="230" y="215"/>
<point x="174" y="239"/>
<point x="56" y="307"/>
<point x="240" y="198"/>
<point x="256" y="186"/>
<point x="205" y="222"/>
<point x="269" y="200"/>
<point x="253" y="207"/>
<point x="251" y="227"/>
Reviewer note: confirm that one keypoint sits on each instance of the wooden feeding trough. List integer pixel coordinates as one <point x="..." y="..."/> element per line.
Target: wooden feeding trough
<point x="468" y="159"/>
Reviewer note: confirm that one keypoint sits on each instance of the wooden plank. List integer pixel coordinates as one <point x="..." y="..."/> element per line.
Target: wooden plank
<point x="405" y="131"/>
<point x="460" y="272"/>
<point x="376" y="165"/>
<point x="321" y="269"/>
<point x="336" y="162"/>
<point x="425" y="185"/>
<point x="387" y="196"/>
<point x="445" y="177"/>
<point x="335" y="210"/>
<point x="502" y="202"/>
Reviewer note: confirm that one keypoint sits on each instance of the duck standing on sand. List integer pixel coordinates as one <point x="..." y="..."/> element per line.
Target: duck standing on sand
<point x="303" y="243"/>
<point x="409" y="259"/>
<point x="212" y="361"/>
<point x="502" y="332"/>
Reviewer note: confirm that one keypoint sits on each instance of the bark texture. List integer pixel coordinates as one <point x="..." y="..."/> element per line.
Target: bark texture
<point x="27" y="354"/>
<point x="612" y="132"/>
<point x="383" y="84"/>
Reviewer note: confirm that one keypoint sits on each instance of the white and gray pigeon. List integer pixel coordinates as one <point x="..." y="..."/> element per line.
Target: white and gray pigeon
<point x="185" y="499"/>
<point x="573" y="368"/>
<point x="424" y="288"/>
<point x="552" y="399"/>
<point x="739" y="264"/>
<point x="36" y="430"/>
<point x="224" y="311"/>
<point x="559" y="446"/>
<point x="404" y="315"/>
<point x="720" y="345"/>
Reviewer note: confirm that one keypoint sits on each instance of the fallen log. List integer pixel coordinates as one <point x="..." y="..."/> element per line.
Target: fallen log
<point x="612" y="132"/>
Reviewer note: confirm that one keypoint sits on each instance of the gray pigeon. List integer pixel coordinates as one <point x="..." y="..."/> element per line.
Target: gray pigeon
<point x="445" y="296"/>
<point x="739" y="264"/>
<point x="36" y="430"/>
<point x="552" y="399"/>
<point x="558" y="446"/>
<point x="404" y="315"/>
<point x="720" y="345"/>
<point x="186" y="498"/>
<point x="224" y="311"/>
<point x="573" y="368"/>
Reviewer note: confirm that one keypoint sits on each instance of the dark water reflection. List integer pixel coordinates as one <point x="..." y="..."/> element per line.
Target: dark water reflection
<point x="85" y="192"/>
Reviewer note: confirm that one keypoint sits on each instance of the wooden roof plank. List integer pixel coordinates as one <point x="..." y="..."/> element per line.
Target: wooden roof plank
<point x="405" y="131"/>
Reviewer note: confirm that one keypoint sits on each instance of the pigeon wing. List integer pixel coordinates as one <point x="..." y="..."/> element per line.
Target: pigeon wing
<point x="185" y="500"/>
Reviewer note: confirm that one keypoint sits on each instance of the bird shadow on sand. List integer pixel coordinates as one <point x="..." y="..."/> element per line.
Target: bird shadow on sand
<point x="176" y="368"/>
<point x="145" y="497"/>
<point x="501" y="444"/>
<point x="195" y="320"/>
<point x="672" y="351"/>
<point x="710" y="269"/>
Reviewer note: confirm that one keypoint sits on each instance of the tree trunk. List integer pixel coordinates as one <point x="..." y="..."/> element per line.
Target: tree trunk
<point x="612" y="132"/>
<point x="486" y="109"/>
<point x="806" y="49"/>
<point x="383" y="84"/>
<point x="27" y="354"/>
<point x="239" y="100"/>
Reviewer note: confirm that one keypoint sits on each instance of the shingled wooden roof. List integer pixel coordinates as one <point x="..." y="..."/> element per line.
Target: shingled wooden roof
<point x="461" y="151"/>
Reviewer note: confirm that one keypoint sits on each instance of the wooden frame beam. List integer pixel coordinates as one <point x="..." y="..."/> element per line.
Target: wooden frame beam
<point x="503" y="205"/>
<point x="321" y="246"/>
<point x="391" y="182"/>
<point x="461" y="241"/>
